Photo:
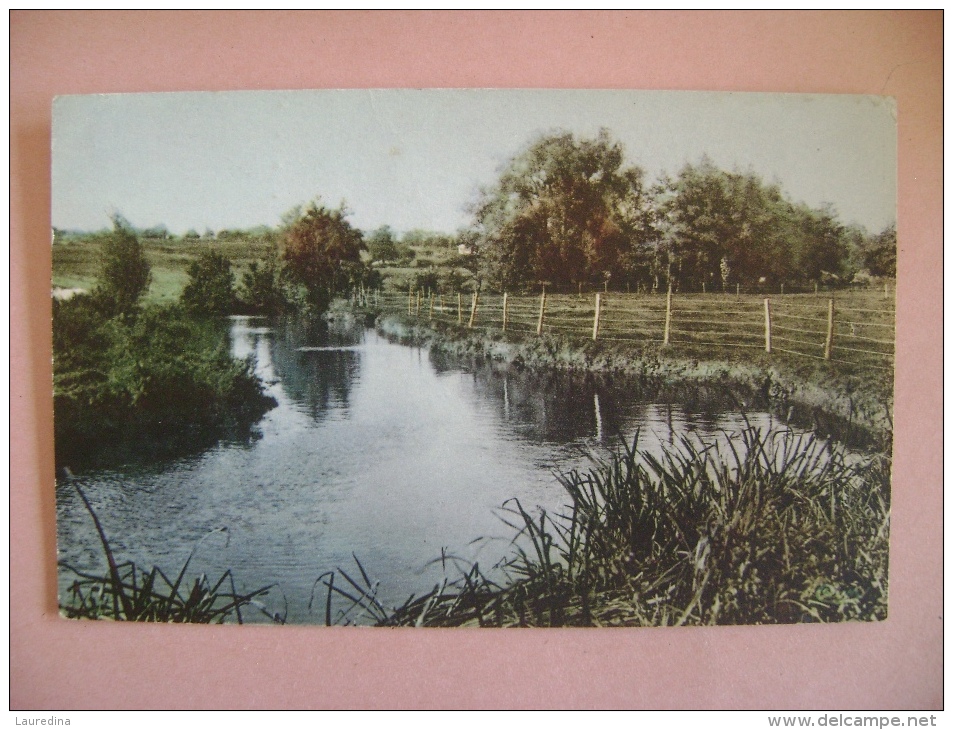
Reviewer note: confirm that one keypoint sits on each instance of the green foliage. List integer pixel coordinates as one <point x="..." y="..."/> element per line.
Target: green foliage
<point x="710" y="222"/>
<point x="568" y="211"/>
<point x="427" y="280"/>
<point x="565" y="210"/>
<point x="777" y="528"/>
<point x="210" y="289"/>
<point x="263" y="285"/>
<point x="323" y="254"/>
<point x="382" y="245"/>
<point x="158" y="231"/>
<point x="159" y="376"/>
<point x="880" y="254"/>
<point x="419" y="238"/>
<point x="124" y="271"/>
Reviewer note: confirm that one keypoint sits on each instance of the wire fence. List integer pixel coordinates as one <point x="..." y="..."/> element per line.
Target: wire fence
<point x="853" y="327"/>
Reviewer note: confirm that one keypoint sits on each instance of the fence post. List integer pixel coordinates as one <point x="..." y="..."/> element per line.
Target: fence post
<point x="767" y="325"/>
<point x="504" y="311"/>
<point x="668" y="316"/>
<point x="782" y="287"/>
<point x="430" y="314"/>
<point x="410" y="301"/>
<point x="595" y="321"/>
<point x="815" y="288"/>
<point x="542" y="310"/>
<point x="704" y="288"/>
<point x="459" y="308"/>
<point x="476" y="297"/>
<point x="829" y="342"/>
<point x="417" y="312"/>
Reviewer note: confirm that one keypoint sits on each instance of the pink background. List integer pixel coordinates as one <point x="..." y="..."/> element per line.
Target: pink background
<point x="56" y="664"/>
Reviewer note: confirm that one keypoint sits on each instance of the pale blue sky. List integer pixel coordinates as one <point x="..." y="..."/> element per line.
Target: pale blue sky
<point x="416" y="158"/>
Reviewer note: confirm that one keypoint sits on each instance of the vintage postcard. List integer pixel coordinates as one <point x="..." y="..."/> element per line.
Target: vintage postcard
<point x="474" y="357"/>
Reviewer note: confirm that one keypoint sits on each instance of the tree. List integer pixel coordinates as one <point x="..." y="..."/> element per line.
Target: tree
<point x="722" y="228"/>
<point x="563" y="211"/>
<point x="880" y="255"/>
<point x="160" y="231"/>
<point x="821" y="247"/>
<point x="124" y="273"/>
<point x="382" y="245"/>
<point x="210" y="289"/>
<point x="323" y="253"/>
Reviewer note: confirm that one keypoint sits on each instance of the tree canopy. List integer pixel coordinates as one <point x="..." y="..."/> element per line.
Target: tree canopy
<point x="569" y="210"/>
<point x="564" y="211"/>
<point x="322" y="253"/>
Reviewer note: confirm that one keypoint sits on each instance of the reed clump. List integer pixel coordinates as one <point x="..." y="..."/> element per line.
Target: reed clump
<point x="773" y="527"/>
<point x="128" y="593"/>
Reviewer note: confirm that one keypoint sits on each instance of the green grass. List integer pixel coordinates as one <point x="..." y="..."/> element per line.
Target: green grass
<point x="76" y="261"/>
<point x="777" y="528"/>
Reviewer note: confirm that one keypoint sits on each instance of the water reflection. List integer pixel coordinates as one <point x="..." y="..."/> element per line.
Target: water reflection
<point x="315" y="363"/>
<point x="376" y="449"/>
<point x="557" y="407"/>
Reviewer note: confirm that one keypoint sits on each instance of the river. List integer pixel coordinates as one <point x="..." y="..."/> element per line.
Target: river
<point x="376" y="450"/>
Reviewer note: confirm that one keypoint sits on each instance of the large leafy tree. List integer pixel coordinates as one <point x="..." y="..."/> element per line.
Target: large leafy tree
<point x="719" y="227"/>
<point x="323" y="253"/>
<point x="382" y="245"/>
<point x="563" y="211"/>
<point x="880" y="255"/>
<point x="820" y="246"/>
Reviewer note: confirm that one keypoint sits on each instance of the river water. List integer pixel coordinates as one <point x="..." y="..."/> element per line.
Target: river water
<point x="375" y="450"/>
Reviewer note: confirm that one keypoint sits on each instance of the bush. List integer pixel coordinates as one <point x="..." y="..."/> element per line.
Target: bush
<point x="263" y="286"/>
<point x="161" y="379"/>
<point x="210" y="289"/>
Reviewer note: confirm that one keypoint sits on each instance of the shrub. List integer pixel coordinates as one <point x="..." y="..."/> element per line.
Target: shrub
<point x="161" y="378"/>
<point x="125" y="273"/>
<point x="210" y="289"/>
<point x="263" y="285"/>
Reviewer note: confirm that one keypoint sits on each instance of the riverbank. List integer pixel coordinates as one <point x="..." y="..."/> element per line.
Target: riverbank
<point x="775" y="527"/>
<point x="149" y="383"/>
<point x="849" y="404"/>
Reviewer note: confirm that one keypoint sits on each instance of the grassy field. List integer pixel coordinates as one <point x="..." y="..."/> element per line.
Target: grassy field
<point x="701" y="327"/>
<point x="76" y="261"/>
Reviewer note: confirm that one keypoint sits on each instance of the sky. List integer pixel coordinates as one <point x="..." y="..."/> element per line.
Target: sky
<point x="418" y="158"/>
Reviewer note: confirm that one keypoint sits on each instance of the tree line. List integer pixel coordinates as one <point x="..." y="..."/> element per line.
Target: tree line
<point x="569" y="211"/>
<point x="566" y="212"/>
